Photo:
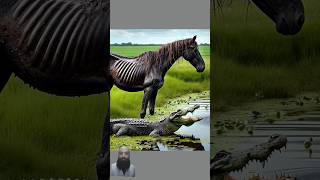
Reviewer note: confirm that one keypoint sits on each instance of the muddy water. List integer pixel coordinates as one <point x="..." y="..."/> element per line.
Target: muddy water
<point x="297" y="122"/>
<point x="199" y="130"/>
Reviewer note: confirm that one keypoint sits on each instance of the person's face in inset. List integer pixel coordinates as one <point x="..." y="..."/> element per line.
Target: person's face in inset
<point x="124" y="153"/>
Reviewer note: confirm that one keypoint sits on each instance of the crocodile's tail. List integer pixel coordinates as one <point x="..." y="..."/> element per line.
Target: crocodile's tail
<point x="111" y="128"/>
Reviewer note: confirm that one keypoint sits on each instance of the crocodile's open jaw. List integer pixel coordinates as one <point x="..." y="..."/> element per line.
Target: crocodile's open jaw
<point x="182" y="112"/>
<point x="186" y="120"/>
<point x="225" y="162"/>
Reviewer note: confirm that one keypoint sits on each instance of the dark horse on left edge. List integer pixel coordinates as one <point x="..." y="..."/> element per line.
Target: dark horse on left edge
<point x="146" y="72"/>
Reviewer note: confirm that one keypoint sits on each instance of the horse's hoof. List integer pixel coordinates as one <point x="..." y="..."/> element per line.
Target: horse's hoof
<point x="103" y="167"/>
<point x="142" y="115"/>
<point x="152" y="112"/>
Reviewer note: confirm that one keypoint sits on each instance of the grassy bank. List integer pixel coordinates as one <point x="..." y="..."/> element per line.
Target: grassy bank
<point x="250" y="57"/>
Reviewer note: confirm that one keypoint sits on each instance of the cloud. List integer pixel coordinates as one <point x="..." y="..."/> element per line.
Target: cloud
<point x="157" y="36"/>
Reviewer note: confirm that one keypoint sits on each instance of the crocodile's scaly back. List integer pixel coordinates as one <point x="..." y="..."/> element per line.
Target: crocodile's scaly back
<point x="131" y="127"/>
<point x="134" y="122"/>
<point x="59" y="42"/>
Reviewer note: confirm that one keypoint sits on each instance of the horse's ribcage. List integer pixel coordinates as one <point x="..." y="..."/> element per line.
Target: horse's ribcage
<point x="60" y="35"/>
<point x="128" y="72"/>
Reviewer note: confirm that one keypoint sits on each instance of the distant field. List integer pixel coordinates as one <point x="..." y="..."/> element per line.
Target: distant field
<point x="250" y="57"/>
<point x="181" y="79"/>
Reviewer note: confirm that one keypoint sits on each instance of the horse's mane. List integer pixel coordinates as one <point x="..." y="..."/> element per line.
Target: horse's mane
<point x="168" y="52"/>
<point x="220" y="3"/>
<point x="217" y="5"/>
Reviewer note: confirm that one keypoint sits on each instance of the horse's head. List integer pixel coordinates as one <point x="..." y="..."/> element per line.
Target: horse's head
<point x="288" y="15"/>
<point x="191" y="53"/>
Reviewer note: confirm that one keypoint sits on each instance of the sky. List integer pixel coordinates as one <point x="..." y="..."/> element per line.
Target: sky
<point x="157" y="36"/>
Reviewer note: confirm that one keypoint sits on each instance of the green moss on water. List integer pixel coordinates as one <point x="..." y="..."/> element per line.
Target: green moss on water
<point x="130" y="141"/>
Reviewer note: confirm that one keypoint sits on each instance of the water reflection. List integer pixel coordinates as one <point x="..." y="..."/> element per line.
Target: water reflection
<point x="201" y="129"/>
<point x="294" y="161"/>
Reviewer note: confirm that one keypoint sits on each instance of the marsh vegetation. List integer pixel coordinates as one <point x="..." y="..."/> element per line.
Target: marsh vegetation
<point x="250" y="58"/>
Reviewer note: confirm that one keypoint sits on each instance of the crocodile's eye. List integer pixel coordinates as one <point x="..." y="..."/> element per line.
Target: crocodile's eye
<point x="220" y="155"/>
<point x="274" y="136"/>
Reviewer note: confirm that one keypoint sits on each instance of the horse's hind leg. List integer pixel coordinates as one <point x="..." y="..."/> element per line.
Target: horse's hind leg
<point x="5" y="68"/>
<point x="150" y="94"/>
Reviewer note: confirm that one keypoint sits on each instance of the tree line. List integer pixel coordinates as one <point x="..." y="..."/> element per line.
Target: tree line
<point x="132" y="44"/>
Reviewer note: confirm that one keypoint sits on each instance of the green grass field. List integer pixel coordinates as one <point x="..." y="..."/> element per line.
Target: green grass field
<point x="44" y="136"/>
<point x="249" y="56"/>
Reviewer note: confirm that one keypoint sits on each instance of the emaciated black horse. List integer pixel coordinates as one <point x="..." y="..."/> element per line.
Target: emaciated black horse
<point x="146" y="72"/>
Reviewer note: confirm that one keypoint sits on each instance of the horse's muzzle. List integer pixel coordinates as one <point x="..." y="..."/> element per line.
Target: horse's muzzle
<point x="201" y="68"/>
<point x="290" y="27"/>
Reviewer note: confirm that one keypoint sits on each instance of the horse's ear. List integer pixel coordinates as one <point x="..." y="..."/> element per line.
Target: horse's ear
<point x="194" y="38"/>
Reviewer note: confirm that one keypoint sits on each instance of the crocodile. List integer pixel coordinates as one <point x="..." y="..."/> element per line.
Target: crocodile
<point x="167" y="126"/>
<point x="225" y="162"/>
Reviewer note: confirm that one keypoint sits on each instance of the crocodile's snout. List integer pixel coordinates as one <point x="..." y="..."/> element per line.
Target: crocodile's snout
<point x="226" y="162"/>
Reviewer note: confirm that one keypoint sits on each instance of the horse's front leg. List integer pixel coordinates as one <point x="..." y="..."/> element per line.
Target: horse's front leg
<point x="152" y="101"/>
<point x="154" y="93"/>
<point x="103" y="162"/>
<point x="145" y="100"/>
